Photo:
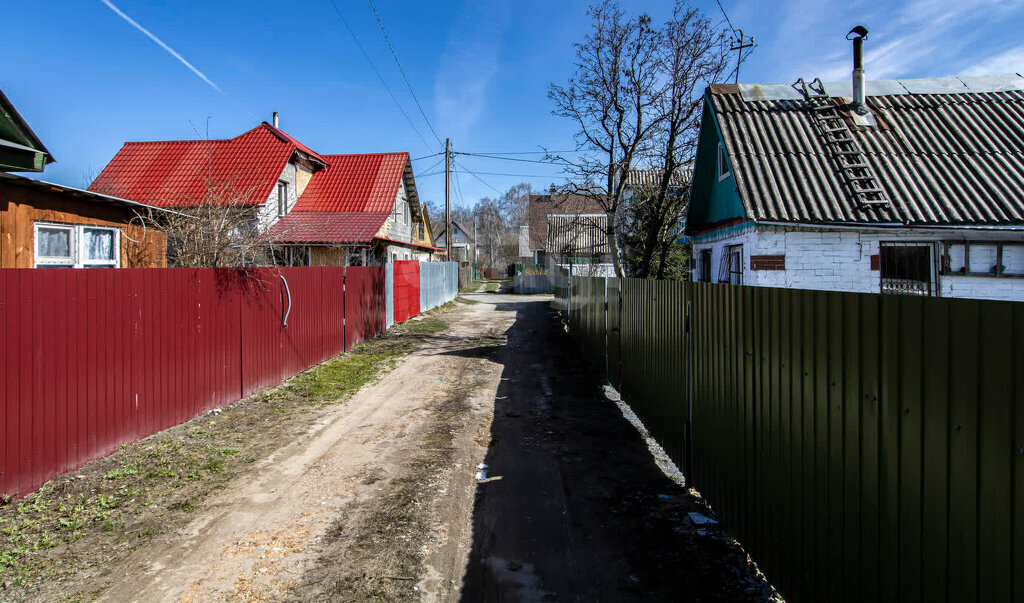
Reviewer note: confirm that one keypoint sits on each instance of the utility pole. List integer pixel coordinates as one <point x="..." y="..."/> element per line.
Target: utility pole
<point x="447" y="198"/>
<point x="738" y="44"/>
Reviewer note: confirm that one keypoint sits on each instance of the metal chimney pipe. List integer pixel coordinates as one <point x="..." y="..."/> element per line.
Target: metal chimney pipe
<point x="861" y="34"/>
<point x="275" y="119"/>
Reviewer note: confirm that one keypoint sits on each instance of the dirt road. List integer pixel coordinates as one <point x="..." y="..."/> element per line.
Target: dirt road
<point x="383" y="498"/>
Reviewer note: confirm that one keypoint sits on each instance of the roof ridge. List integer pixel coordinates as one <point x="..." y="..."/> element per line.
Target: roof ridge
<point x="365" y="154"/>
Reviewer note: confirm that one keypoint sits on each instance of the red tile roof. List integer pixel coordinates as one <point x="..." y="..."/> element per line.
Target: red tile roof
<point x="243" y="169"/>
<point x="364" y="183"/>
<point x="312" y="227"/>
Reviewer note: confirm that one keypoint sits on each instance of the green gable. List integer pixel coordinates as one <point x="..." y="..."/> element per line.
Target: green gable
<point x="20" y="149"/>
<point x="711" y="200"/>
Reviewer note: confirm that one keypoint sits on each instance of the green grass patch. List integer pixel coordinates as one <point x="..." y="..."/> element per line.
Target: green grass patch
<point x="425" y="325"/>
<point x="492" y="287"/>
<point x="99" y="513"/>
<point x="463" y="300"/>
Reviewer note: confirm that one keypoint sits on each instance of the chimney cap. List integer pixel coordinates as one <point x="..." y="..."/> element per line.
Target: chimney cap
<point x="859" y="30"/>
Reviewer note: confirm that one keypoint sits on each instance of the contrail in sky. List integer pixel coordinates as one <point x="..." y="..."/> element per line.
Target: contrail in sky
<point x="160" y="42"/>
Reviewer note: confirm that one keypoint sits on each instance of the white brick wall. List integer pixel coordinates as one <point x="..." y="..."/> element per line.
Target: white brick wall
<point x="840" y="260"/>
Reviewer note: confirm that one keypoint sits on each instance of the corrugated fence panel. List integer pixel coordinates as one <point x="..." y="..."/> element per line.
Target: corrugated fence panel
<point x="389" y="294"/>
<point x="863" y="447"/>
<point x="451" y="281"/>
<point x="364" y="304"/>
<point x="431" y="285"/>
<point x="407" y="290"/>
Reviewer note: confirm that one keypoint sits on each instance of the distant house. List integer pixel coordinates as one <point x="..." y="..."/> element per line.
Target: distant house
<point x="919" y="189"/>
<point x="463" y="243"/>
<point x="319" y="210"/>
<point x="45" y="225"/>
<point x="649" y="179"/>
<point x="568" y="229"/>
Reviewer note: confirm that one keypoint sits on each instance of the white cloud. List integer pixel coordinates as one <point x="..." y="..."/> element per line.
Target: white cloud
<point x="468" y="64"/>
<point x="160" y="43"/>
<point x="1010" y="61"/>
<point x="920" y="38"/>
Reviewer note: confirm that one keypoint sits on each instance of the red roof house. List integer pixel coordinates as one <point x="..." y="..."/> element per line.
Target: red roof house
<point x="323" y="209"/>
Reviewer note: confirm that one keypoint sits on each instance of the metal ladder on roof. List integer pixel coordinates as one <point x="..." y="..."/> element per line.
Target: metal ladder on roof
<point x="857" y="173"/>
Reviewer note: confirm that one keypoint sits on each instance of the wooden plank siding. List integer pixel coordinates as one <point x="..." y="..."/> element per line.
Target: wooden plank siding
<point x="21" y="207"/>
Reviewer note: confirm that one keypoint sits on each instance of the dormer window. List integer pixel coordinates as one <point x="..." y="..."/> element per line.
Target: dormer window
<point x="723" y="164"/>
<point x="282" y="199"/>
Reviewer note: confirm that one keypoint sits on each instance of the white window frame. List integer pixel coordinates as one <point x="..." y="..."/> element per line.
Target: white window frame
<point x="48" y="261"/>
<point x="76" y="247"/>
<point x="723" y="164"/>
<point x="282" y="198"/>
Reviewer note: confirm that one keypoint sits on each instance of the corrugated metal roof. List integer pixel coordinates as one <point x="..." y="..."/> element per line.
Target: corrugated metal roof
<point x="327" y="227"/>
<point x="243" y="169"/>
<point x="367" y="182"/>
<point x="652" y="177"/>
<point x="939" y="158"/>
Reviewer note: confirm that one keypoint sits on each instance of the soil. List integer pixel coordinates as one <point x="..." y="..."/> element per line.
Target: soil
<point x="488" y="465"/>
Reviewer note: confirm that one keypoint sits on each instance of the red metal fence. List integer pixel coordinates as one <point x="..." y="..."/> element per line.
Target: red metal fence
<point x="407" y="290"/>
<point x="96" y="358"/>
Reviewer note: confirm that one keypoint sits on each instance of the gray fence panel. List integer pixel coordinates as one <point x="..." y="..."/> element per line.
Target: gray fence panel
<point x="431" y="285"/>
<point x="451" y="281"/>
<point x="529" y="284"/>
<point x="389" y="293"/>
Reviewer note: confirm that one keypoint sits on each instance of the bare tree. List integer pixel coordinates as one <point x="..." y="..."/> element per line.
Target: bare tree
<point x="693" y="54"/>
<point x="612" y="98"/>
<point x="636" y="99"/>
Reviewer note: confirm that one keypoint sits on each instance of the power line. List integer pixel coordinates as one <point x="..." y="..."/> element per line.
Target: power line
<point x="489" y="156"/>
<point x="481" y="180"/>
<point x="427" y="156"/>
<point x="379" y="76"/>
<point x="725" y="15"/>
<point x="517" y="175"/>
<point x="437" y="163"/>
<point x="402" y="71"/>
<point x="521" y="152"/>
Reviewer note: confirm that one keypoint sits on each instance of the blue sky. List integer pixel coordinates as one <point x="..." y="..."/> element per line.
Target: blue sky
<point x="87" y="80"/>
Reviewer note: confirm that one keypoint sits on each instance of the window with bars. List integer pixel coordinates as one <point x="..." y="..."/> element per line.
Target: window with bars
<point x="908" y="268"/>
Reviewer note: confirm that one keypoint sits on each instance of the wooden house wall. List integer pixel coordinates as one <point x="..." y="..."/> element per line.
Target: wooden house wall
<point x="21" y="207"/>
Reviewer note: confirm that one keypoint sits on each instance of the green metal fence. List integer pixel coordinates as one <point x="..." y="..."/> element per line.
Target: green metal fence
<point x="862" y="447"/>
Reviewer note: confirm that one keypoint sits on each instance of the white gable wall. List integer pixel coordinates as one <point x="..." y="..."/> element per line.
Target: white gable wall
<point x="268" y="214"/>
<point x="840" y="260"/>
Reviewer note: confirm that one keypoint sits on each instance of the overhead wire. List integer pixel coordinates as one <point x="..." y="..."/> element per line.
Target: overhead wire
<point x="436" y="163"/>
<point x="402" y="71"/>
<point x="379" y="76"/>
<point x="489" y="156"/>
<point x="471" y="173"/>
<point x="521" y="152"/>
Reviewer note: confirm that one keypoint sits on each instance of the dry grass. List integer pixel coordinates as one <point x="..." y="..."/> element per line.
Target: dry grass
<point x="59" y="542"/>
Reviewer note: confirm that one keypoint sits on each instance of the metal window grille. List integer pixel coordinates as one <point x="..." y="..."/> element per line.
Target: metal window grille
<point x="908" y="268"/>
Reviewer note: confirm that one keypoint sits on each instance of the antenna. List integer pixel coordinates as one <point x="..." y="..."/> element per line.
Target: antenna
<point x="739" y="43"/>
<point x="736" y="40"/>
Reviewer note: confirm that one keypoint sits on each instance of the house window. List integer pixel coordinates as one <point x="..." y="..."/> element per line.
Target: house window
<point x="705" y="266"/>
<point x="907" y="268"/>
<point x="723" y="164"/>
<point x="76" y="246"/>
<point x="282" y="199"/>
<point x="291" y="256"/>
<point x="731" y="269"/>
<point x="55" y="245"/>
